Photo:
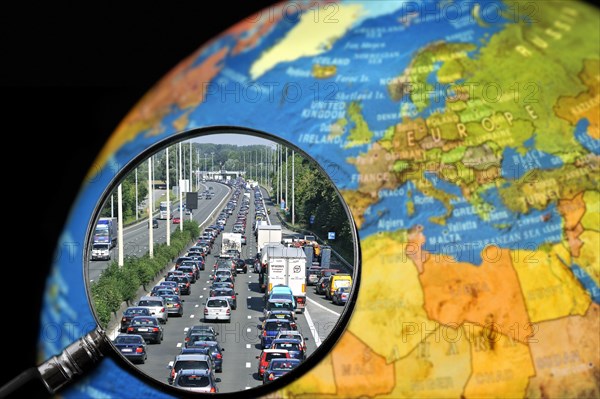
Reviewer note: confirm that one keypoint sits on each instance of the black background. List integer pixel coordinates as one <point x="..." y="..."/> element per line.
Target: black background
<point x="69" y="72"/>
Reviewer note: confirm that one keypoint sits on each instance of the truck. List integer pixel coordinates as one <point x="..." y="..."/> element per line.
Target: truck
<point x="268" y="233"/>
<point x="163" y="214"/>
<point x="286" y="266"/>
<point x="106" y="232"/>
<point x="231" y="242"/>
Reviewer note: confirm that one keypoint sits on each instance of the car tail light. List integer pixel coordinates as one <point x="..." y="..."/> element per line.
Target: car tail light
<point x="173" y="373"/>
<point x="219" y="356"/>
<point x="205" y="311"/>
<point x="124" y="319"/>
<point x="177" y="305"/>
<point x="228" y="311"/>
<point x="155" y="329"/>
<point x="233" y="297"/>
<point x="264" y="333"/>
<point x="187" y="339"/>
<point x="139" y="349"/>
<point x="162" y="310"/>
<point x="213" y="389"/>
<point x="271" y="377"/>
<point x="130" y="329"/>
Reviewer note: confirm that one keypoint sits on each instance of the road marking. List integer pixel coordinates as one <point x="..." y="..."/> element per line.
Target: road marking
<point x="171" y="363"/>
<point x="249" y="297"/>
<point x="312" y="328"/>
<point x="249" y="316"/>
<point x="323" y="307"/>
<point x="179" y="344"/>
<point x="247" y="387"/>
<point x="201" y="296"/>
<point x="196" y="305"/>
<point x="186" y="329"/>
<point x="191" y="316"/>
<point x="248" y="346"/>
<point x="248" y="365"/>
<point x="204" y="288"/>
<point x="248" y="330"/>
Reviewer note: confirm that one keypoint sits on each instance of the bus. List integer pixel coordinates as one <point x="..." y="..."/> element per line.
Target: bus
<point x="163" y="211"/>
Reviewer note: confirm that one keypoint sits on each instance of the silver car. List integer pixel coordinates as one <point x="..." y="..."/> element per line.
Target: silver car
<point x="157" y="307"/>
<point x="217" y="309"/>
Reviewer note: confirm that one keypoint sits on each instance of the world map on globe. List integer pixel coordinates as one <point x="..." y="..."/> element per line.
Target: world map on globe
<point x="465" y="138"/>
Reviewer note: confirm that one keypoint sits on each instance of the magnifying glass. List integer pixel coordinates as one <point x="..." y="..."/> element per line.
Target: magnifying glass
<point x="208" y="271"/>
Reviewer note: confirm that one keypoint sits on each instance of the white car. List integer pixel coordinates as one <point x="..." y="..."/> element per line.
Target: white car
<point x="157" y="306"/>
<point x="100" y="251"/>
<point x="293" y="334"/>
<point x="217" y="309"/>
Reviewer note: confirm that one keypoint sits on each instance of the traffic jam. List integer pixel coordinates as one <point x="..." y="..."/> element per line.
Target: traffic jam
<point x="232" y="312"/>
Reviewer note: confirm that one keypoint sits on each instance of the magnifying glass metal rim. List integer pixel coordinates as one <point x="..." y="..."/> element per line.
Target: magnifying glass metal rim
<point x="312" y="360"/>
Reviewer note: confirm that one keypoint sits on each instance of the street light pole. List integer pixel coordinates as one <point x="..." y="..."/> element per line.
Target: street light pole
<point x="286" y="178"/>
<point x="168" y="199"/>
<point x="180" y="191"/>
<point x="120" y="224"/>
<point x="136" y="196"/>
<point x="191" y="166"/>
<point x="150" y="230"/>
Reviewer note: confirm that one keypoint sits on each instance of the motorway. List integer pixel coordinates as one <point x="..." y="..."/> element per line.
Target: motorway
<point x="135" y="237"/>
<point x="241" y="337"/>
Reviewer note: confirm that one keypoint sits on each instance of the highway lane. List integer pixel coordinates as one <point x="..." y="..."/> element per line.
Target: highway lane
<point x="240" y="338"/>
<point x="135" y="237"/>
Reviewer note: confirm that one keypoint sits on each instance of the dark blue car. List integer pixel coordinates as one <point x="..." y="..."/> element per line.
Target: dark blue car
<point x="132" y="346"/>
<point x="270" y="330"/>
<point x="279" y="367"/>
<point x="213" y="349"/>
<point x="293" y="346"/>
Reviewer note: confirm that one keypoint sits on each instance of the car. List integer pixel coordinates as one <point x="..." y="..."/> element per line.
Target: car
<point x="154" y="223"/>
<point x="293" y="346"/>
<point x="171" y="284"/>
<point x="148" y="327"/>
<point x="100" y="251"/>
<point x="209" y="330"/>
<point x="313" y="276"/>
<point x="266" y="356"/>
<point x="130" y="313"/>
<point x="271" y="328"/>
<point x="157" y="307"/>
<point x="174" y="305"/>
<point x="225" y="293"/>
<point x="241" y="266"/>
<point x="283" y="304"/>
<point x="196" y="381"/>
<point x="180" y="260"/>
<point x="214" y="350"/>
<point x="223" y="273"/>
<point x="162" y="291"/>
<point x="279" y="367"/>
<point x="281" y="291"/>
<point x="199" y="336"/>
<point x="282" y="314"/>
<point x="132" y="346"/>
<point x="183" y="282"/>
<point x="293" y="334"/>
<point x="322" y="285"/>
<point x="338" y="280"/>
<point x="341" y="295"/>
<point x="189" y="362"/>
<point x="189" y="271"/>
<point x="217" y="309"/>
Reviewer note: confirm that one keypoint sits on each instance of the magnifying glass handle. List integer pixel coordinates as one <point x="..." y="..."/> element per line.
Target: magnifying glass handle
<point x="54" y="373"/>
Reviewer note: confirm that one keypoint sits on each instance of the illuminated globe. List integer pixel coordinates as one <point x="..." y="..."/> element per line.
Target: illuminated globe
<point x="464" y="137"/>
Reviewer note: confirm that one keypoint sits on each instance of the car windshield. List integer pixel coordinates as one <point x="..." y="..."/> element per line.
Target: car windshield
<point x="129" y="312"/>
<point x="282" y="365"/>
<point x="274" y="355"/>
<point x="280" y="296"/>
<point x="277" y="325"/>
<point x="191" y="364"/>
<point x="150" y="303"/>
<point x="217" y="304"/>
<point x="100" y="246"/>
<point x="290" y="346"/>
<point x="193" y="381"/>
<point x="279" y="305"/>
<point x="138" y="321"/>
<point x="128" y="339"/>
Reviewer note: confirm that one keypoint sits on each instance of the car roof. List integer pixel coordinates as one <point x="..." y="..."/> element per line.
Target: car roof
<point x="192" y="356"/>
<point x="275" y="351"/>
<point x="202" y="372"/>
<point x="151" y="298"/>
<point x="293" y="340"/>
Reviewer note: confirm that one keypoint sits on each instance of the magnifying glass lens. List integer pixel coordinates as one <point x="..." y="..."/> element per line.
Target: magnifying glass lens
<point x="222" y="263"/>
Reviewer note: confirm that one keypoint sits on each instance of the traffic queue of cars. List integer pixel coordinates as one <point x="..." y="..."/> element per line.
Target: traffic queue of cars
<point x="282" y="346"/>
<point x="334" y="285"/>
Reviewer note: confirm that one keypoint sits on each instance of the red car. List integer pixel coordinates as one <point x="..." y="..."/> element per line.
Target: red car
<point x="176" y="219"/>
<point x="265" y="357"/>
